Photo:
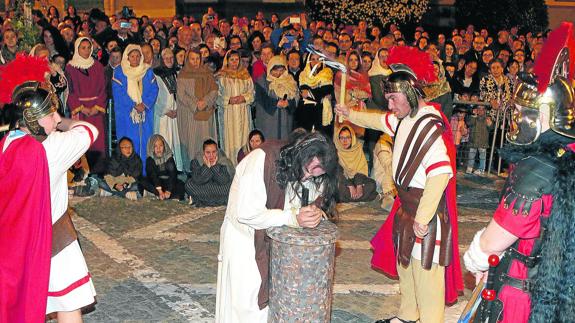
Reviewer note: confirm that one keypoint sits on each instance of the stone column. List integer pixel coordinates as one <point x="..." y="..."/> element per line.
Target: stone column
<point x="302" y="262"/>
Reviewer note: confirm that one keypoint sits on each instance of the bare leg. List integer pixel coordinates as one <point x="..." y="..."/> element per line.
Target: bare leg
<point x="70" y="317"/>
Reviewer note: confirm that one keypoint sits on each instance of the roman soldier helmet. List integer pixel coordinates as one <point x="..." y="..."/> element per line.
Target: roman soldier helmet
<point x="411" y="69"/>
<point x="547" y="95"/>
<point x="25" y="90"/>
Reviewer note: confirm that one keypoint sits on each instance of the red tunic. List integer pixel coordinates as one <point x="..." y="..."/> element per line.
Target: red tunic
<point x="25" y="230"/>
<point x="88" y="89"/>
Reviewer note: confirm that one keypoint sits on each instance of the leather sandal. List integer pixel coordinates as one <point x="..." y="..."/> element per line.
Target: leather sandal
<point x="391" y="318"/>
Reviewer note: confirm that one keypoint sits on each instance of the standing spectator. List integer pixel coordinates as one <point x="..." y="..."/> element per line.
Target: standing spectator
<point x="294" y="63"/>
<point x="197" y="91"/>
<point x="10" y="46"/>
<point x="512" y="74"/>
<point x="439" y="91"/>
<point x="212" y="174"/>
<point x="53" y="13"/>
<point x="460" y="131"/>
<point x="196" y="35"/>
<point x="72" y="15"/>
<point x="52" y="38"/>
<point x="135" y="91"/>
<point x="166" y="107"/>
<point x="276" y="99"/>
<point x="449" y="54"/>
<point x="377" y="75"/>
<point x="56" y="76"/>
<point x="87" y="97"/>
<point x="235" y="95"/>
<point x="467" y="79"/>
<point x="255" y="139"/>
<point x="180" y="55"/>
<point x="475" y="52"/>
<point x="479" y="125"/>
<point x="148" y="54"/>
<point x="184" y="38"/>
<point x="496" y="87"/>
<point x="161" y="173"/>
<point x="113" y="62"/>
<point x="316" y="86"/>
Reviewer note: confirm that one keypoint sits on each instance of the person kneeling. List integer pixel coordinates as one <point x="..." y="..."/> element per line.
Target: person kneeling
<point x="161" y="172"/>
<point x="211" y="178"/>
<point x="354" y="185"/>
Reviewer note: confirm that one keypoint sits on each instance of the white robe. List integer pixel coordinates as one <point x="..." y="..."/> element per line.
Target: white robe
<point x="235" y="120"/>
<point x="166" y="126"/>
<point x="71" y="285"/>
<point x="238" y="275"/>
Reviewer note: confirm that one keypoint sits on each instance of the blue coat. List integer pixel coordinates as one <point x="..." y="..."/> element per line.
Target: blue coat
<point x="123" y="105"/>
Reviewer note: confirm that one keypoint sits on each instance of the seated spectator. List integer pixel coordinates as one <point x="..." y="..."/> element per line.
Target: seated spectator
<point x="212" y="175"/>
<point x="124" y="171"/>
<point x="79" y="183"/>
<point x="161" y="172"/>
<point x="354" y="185"/>
<point x="255" y="139"/>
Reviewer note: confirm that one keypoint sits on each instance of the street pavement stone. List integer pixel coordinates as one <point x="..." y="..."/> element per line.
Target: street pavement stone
<point x="156" y="261"/>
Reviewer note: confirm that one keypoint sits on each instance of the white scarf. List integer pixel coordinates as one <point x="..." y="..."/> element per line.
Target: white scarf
<point x="284" y="84"/>
<point x="377" y="69"/>
<point x="78" y="61"/>
<point x="135" y="75"/>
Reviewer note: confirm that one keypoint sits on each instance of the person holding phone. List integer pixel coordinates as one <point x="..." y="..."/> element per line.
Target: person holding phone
<point x="295" y="25"/>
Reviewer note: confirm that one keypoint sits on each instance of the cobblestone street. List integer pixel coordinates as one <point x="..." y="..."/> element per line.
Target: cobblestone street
<point x="155" y="261"/>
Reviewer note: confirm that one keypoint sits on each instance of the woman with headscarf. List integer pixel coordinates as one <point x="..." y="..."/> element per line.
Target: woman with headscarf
<point x="161" y="172"/>
<point x="277" y="95"/>
<point x="197" y="91"/>
<point x="255" y="139"/>
<point x="235" y="95"/>
<point x="87" y="97"/>
<point x="316" y="86"/>
<point x="166" y="107"/>
<point x="357" y="89"/>
<point x="135" y="91"/>
<point x="354" y="184"/>
<point x="378" y="73"/>
<point x="123" y="173"/>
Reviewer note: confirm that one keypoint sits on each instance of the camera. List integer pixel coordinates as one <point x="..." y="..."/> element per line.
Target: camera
<point x="294" y="20"/>
<point x="125" y="24"/>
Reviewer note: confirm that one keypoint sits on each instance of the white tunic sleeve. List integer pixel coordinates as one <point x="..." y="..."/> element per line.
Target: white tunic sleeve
<point x="248" y="196"/>
<point x="63" y="149"/>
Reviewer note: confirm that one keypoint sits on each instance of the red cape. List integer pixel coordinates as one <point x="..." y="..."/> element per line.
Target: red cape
<point x="25" y="231"/>
<point x="384" y="256"/>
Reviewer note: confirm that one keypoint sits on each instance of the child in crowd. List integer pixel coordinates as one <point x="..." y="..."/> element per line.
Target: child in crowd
<point x="479" y="125"/>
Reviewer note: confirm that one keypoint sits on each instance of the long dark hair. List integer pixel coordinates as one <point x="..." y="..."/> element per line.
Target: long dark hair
<point x="297" y="154"/>
<point x="59" y="42"/>
<point x="552" y="287"/>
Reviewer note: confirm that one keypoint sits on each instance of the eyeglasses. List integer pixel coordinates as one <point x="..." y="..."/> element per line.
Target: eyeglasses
<point x="344" y="138"/>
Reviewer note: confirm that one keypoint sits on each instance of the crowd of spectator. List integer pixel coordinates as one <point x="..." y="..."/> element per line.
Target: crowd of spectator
<point x="194" y="97"/>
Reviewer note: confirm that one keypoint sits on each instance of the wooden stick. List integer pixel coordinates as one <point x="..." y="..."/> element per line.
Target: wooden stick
<point x="342" y="92"/>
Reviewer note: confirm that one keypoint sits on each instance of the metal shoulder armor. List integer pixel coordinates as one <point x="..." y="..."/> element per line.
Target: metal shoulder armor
<point x="532" y="178"/>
